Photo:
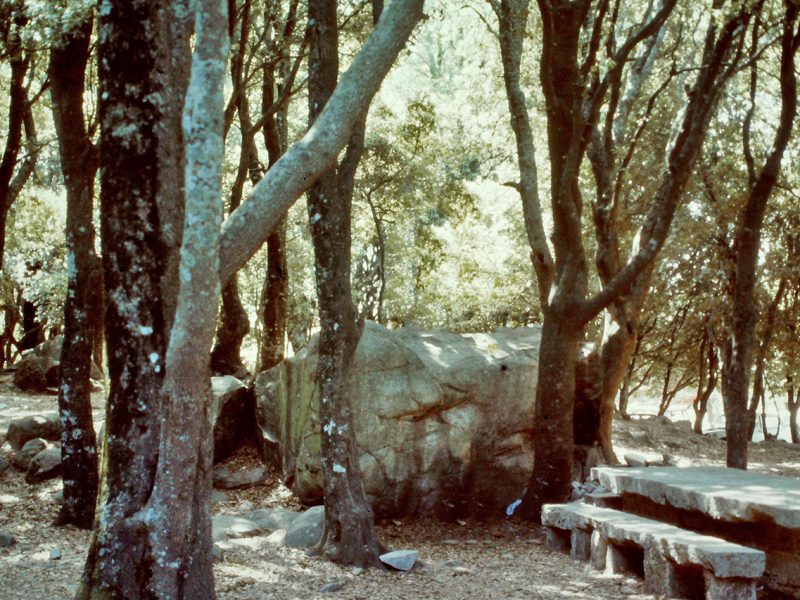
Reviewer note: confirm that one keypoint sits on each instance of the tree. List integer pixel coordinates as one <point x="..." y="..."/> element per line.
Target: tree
<point x="738" y="348"/>
<point x="575" y="89"/>
<point x="153" y="536"/>
<point x="13" y="176"/>
<point x="68" y="61"/>
<point x="348" y="534"/>
<point x="141" y="73"/>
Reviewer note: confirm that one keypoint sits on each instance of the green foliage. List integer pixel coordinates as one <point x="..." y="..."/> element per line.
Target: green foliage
<point x="35" y="255"/>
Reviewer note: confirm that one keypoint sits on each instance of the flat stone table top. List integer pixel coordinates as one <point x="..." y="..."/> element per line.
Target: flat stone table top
<point x="722" y="493"/>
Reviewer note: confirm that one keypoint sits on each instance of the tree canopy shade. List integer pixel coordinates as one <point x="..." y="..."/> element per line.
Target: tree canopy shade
<point x="666" y="129"/>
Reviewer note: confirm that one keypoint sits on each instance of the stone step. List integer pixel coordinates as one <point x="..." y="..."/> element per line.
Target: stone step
<point x="604" y="500"/>
<point x="675" y="562"/>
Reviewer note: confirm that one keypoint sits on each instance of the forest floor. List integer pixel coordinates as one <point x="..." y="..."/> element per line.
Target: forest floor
<point x="462" y="560"/>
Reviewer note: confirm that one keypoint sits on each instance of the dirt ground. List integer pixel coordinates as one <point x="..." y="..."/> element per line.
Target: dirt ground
<point x="463" y="560"/>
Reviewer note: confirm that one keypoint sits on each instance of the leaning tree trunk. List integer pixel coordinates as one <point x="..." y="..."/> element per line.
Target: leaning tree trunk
<point x="83" y="303"/>
<point x="178" y="513"/>
<point x="349" y="536"/>
<point x="18" y="111"/>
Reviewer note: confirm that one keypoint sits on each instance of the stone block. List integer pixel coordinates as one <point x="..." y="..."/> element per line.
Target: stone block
<point x="558" y="540"/>
<point x="729" y="589"/>
<point x="598" y="551"/>
<point x="580" y="544"/>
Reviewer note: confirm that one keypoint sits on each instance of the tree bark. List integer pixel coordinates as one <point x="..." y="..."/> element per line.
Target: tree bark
<point x="178" y="513"/>
<point x="707" y="377"/>
<point x="137" y="232"/>
<point x="274" y="302"/>
<point x="84" y="300"/>
<point x="512" y="16"/>
<point x="349" y="536"/>
<point x="793" y="404"/>
<point x="12" y="177"/>
<point x="758" y="394"/>
<point x="738" y="357"/>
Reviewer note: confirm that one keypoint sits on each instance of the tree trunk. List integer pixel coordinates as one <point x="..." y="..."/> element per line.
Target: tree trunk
<point x="758" y="393"/>
<point x="553" y="433"/>
<point x="707" y="377"/>
<point x="234" y="326"/>
<point x="739" y="348"/>
<point x="274" y="302"/>
<point x="234" y="322"/>
<point x="17" y="108"/>
<point x="83" y="302"/>
<point x="136" y="262"/>
<point x="178" y="513"/>
<point x="793" y="404"/>
<point x="574" y="95"/>
<point x="349" y="536"/>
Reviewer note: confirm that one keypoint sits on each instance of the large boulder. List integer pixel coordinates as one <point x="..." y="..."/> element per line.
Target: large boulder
<point x="444" y="421"/>
<point x="31" y="374"/>
<point x="234" y="416"/>
<point x="38" y="368"/>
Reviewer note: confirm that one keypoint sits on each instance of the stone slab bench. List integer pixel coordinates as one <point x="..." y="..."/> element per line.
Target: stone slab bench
<point x="674" y="562"/>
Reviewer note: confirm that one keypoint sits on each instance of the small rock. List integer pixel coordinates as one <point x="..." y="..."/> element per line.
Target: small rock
<point x="224" y="527"/>
<point x="45" y="465"/>
<point x="218" y="496"/>
<point x="27" y="428"/>
<point x="6" y="539"/>
<point x="277" y="537"/>
<point x="31" y="448"/>
<point x="641" y="459"/>
<point x="306" y="529"/>
<point x="628" y="591"/>
<point x="357" y="571"/>
<point x="55" y="554"/>
<point x="453" y="564"/>
<point x="217" y="553"/>
<point x="241" y="479"/>
<point x="273" y="518"/>
<point x="402" y="560"/>
<point x="332" y="587"/>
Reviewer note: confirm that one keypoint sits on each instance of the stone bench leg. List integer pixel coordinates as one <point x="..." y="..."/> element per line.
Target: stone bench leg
<point x="581" y="544"/>
<point x="729" y="589"/>
<point x="665" y="578"/>
<point x="599" y="550"/>
<point x="558" y="540"/>
<point x="623" y="559"/>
